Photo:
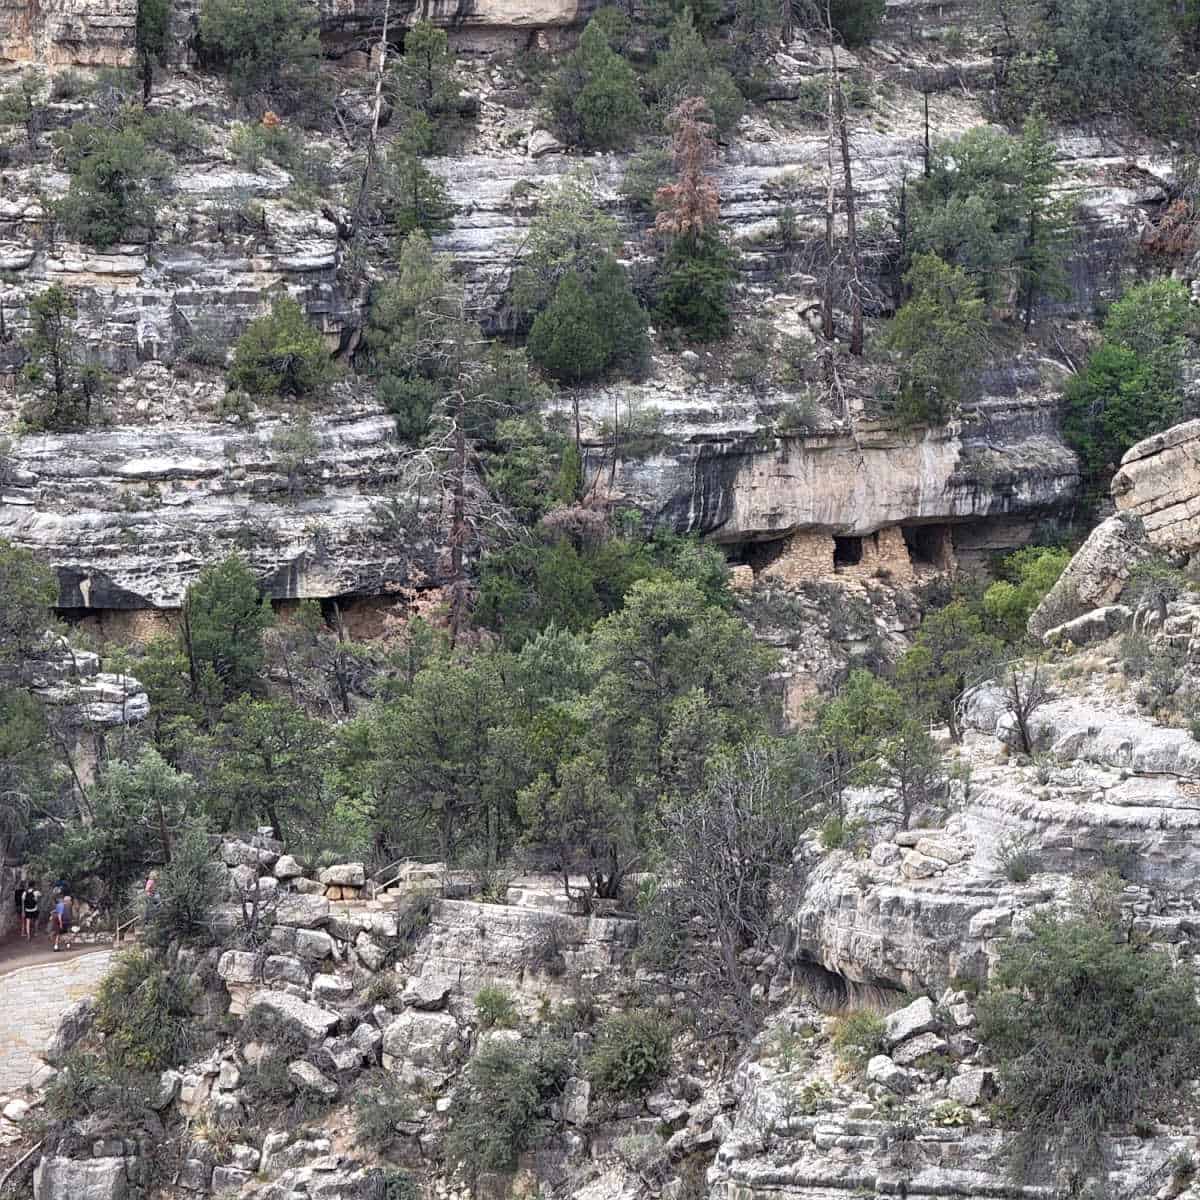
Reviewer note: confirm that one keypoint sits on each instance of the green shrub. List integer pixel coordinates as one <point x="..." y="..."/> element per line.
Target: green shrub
<point x="189" y="889"/>
<point x="1028" y="575"/>
<point x="586" y="330"/>
<point x="90" y="1084"/>
<point x="280" y="354"/>
<point x="494" y="1008"/>
<point x="115" y="180"/>
<point x="695" y="287"/>
<point x="857" y="1038"/>
<point x="688" y="67"/>
<point x="940" y="337"/>
<point x="646" y="170"/>
<point x="500" y="1109"/>
<point x="380" y="1104"/>
<point x="415" y="198"/>
<point x="144" y="1013"/>
<point x="267" y="48"/>
<point x="1089" y="58"/>
<point x="61" y="385"/>
<point x="1018" y="858"/>
<point x="632" y="1053"/>
<point x="308" y="166"/>
<point x="857" y="21"/>
<point x="1088" y="1030"/>
<point x="424" y="89"/>
<point x="592" y="100"/>
<point x="840" y="832"/>
<point x="1130" y="387"/>
<point x="394" y="1184"/>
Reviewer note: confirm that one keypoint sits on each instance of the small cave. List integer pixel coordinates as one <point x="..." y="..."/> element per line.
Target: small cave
<point x="847" y="551"/>
<point x="929" y="545"/>
<point x="833" y="992"/>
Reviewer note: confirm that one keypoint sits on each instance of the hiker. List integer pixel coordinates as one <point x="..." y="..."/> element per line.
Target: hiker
<point x="31" y="900"/>
<point x="152" y="897"/>
<point x="60" y="920"/>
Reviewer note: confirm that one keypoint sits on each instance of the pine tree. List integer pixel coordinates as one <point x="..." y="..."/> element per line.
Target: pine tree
<point x="63" y="386"/>
<point x="593" y="99"/>
<point x="1045" y="221"/>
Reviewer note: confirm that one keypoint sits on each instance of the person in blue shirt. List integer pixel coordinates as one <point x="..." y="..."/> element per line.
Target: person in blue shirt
<point x="60" y="920"/>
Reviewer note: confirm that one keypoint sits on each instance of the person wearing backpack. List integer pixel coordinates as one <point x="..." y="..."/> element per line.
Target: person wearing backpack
<point x="31" y="900"/>
<point x="60" y="920"/>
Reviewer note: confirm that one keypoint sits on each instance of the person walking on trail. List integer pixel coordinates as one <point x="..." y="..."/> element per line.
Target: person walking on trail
<point x="60" y="920"/>
<point x="31" y="900"/>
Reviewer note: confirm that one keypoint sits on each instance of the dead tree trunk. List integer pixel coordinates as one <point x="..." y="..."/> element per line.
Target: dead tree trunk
<point x="373" y="140"/>
<point x="856" y="283"/>
<point x="827" y="290"/>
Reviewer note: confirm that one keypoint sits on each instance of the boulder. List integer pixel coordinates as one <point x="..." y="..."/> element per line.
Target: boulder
<point x="287" y="868"/>
<point x="16" y="1111"/>
<point x="237" y="966"/>
<point x="228" y="1181"/>
<point x="286" y="968"/>
<point x="368" y="1040"/>
<point x="238" y="853"/>
<point x="308" y="1079"/>
<point x="314" y="944"/>
<point x="84" y="1179"/>
<point x="1094" y="626"/>
<point x="420" y="1046"/>
<point x="542" y="142"/>
<point x="331" y="989"/>
<point x="301" y="911"/>
<point x="343" y="1054"/>
<point x="344" y="875"/>
<point x="972" y="1087"/>
<point x="73" y="1026"/>
<point x="427" y="994"/>
<point x="941" y="849"/>
<point x="315" y="1023"/>
<point x="1095" y="576"/>
<point x="1157" y="484"/>
<point x="908" y="1052"/>
<point x="883" y="1071"/>
<point x="910" y="1021"/>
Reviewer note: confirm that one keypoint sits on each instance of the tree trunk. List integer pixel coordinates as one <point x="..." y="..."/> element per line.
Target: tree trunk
<point x="458" y="527"/>
<point x="856" y="305"/>
<point x="827" y="328"/>
<point x="373" y="138"/>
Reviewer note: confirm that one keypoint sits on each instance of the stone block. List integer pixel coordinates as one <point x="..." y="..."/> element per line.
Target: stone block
<point x="907" y="1053"/>
<point x="315" y="1023"/>
<point x="883" y="1071"/>
<point x="237" y="966"/>
<point x="344" y="875"/>
<point x="910" y="1021"/>
<point x="228" y="1181"/>
<point x="306" y="1077"/>
<point x="972" y="1087"/>
<point x="302" y="912"/>
<point x="287" y="868"/>
<point x="314" y="944"/>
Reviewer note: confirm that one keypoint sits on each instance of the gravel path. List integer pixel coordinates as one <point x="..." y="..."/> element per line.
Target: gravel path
<point x="31" y="1001"/>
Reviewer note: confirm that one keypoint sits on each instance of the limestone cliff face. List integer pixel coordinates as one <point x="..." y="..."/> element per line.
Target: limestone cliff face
<point x="130" y="515"/>
<point x="93" y="33"/>
<point x="1159" y="482"/>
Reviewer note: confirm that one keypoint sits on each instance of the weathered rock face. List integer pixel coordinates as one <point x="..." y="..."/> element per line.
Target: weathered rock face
<point x="129" y="516"/>
<point x="1095" y="576"/>
<point x="725" y="484"/>
<point x="1159" y="482"/>
<point x="68" y="32"/>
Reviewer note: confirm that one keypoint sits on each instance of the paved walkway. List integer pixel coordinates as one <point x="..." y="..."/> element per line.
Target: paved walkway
<point x="32" y="998"/>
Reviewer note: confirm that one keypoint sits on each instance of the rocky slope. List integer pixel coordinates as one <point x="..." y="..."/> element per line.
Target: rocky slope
<point x="129" y="513"/>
